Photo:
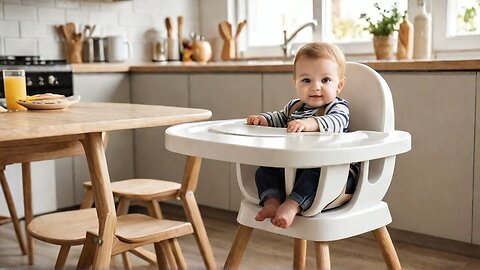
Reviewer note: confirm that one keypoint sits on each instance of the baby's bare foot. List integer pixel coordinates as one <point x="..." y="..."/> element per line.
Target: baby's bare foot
<point x="285" y="214"/>
<point x="269" y="209"/>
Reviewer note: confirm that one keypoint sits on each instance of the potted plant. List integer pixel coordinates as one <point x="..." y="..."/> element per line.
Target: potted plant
<point x="383" y="30"/>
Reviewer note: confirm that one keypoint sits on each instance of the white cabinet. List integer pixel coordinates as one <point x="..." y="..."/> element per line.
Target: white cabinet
<point x="152" y="160"/>
<point x="227" y="96"/>
<point x="431" y="192"/>
<point x="44" y="199"/>
<point x="99" y="87"/>
<point x="476" y="172"/>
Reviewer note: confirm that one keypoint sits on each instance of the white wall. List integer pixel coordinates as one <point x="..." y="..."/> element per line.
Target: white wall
<point x="27" y="26"/>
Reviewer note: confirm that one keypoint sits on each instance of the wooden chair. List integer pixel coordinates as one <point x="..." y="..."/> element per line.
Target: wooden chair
<point x="80" y="227"/>
<point x="25" y="152"/>
<point x="148" y="192"/>
<point x="11" y="208"/>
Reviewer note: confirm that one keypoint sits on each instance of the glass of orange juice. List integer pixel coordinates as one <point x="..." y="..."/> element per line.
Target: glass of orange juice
<point x="15" y="88"/>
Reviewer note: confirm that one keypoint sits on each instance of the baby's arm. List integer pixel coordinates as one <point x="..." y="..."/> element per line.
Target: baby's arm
<point x="257" y="120"/>
<point x="299" y="125"/>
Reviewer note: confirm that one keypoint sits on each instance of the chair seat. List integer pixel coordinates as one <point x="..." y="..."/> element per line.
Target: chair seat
<point x="142" y="189"/>
<point x="70" y="227"/>
<point x="330" y="225"/>
<point x="135" y="228"/>
<point x="64" y="228"/>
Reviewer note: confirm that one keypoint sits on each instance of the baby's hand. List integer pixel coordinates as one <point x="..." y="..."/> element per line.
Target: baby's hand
<point x="300" y="125"/>
<point x="257" y="120"/>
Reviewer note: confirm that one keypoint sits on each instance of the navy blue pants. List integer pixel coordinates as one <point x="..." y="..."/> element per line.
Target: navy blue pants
<point x="271" y="183"/>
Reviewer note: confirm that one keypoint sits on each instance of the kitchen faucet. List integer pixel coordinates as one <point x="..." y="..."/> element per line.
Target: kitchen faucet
<point x="286" y="47"/>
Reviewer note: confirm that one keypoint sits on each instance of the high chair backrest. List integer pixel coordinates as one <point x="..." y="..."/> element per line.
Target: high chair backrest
<point x="369" y="99"/>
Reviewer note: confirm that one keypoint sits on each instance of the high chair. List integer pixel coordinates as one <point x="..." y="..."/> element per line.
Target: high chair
<point x="371" y="108"/>
<point x="372" y="141"/>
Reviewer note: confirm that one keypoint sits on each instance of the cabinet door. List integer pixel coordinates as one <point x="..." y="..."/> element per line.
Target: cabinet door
<point x="278" y="89"/>
<point x="476" y="172"/>
<point x="152" y="160"/>
<point x="431" y="192"/>
<point x="228" y="96"/>
<point x="106" y="87"/>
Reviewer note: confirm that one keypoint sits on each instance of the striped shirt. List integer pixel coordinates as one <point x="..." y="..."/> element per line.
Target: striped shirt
<point x="334" y="119"/>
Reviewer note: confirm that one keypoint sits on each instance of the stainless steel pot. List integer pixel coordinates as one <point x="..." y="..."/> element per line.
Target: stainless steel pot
<point x="98" y="49"/>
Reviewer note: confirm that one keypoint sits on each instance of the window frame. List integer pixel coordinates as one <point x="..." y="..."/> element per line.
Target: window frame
<point x="441" y="41"/>
<point x="442" y="44"/>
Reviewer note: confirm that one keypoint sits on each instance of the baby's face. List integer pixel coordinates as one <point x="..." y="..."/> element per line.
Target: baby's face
<point x="317" y="81"/>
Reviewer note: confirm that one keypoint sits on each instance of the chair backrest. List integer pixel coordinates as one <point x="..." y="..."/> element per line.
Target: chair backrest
<point x="369" y="99"/>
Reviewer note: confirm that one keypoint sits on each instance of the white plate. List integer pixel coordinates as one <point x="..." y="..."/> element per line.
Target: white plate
<point x="50" y="104"/>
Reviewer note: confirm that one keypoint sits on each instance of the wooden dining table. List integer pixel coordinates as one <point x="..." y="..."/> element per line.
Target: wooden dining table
<point x="24" y="136"/>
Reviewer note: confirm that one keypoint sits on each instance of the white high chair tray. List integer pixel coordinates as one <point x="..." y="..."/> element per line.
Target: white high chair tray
<point x="233" y="141"/>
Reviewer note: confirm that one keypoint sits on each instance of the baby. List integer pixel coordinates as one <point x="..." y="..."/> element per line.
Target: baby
<point x="318" y="77"/>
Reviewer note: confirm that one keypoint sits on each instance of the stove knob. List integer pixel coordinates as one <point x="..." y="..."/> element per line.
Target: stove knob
<point x="41" y="81"/>
<point x="29" y="81"/>
<point x="52" y="80"/>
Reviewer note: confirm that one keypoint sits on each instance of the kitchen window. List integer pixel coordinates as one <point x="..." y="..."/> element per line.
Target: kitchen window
<point x="456" y="24"/>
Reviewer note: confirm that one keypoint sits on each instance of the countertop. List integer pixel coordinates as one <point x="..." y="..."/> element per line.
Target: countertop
<point x="268" y="66"/>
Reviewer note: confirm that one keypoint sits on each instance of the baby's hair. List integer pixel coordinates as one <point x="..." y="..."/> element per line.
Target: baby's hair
<point x="319" y="50"/>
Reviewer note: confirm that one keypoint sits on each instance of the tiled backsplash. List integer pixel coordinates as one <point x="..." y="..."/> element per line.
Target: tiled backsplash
<point x="27" y="26"/>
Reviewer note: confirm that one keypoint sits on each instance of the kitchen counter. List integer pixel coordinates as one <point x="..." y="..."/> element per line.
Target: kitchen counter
<point x="272" y="66"/>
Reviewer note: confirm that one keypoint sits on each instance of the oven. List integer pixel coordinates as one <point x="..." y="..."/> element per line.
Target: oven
<point x="42" y="76"/>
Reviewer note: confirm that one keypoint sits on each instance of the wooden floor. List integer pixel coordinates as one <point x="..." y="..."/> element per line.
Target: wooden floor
<point x="265" y="251"/>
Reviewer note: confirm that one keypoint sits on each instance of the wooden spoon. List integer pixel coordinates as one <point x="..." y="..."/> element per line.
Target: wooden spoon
<point x="179" y="32"/>
<point x="239" y="28"/>
<point x="168" y="25"/>
<point x="226" y="29"/>
<point x="220" y="31"/>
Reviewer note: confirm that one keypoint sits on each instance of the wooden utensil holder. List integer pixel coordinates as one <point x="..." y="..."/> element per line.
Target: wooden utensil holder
<point x="228" y="49"/>
<point x="74" y="51"/>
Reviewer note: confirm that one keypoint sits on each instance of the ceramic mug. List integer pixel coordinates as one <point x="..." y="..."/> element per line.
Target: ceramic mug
<point x="118" y="49"/>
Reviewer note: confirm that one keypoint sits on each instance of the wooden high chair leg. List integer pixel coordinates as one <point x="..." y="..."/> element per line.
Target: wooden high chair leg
<point x="122" y="209"/>
<point x="322" y="255"/>
<point x="299" y="254"/>
<point x="387" y="248"/>
<point x="62" y="256"/>
<point x="238" y="247"/>
<point x="12" y="210"/>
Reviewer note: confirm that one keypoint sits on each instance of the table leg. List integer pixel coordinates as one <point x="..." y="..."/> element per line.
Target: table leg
<point x="27" y="206"/>
<point x="190" y="178"/>
<point x="104" y="203"/>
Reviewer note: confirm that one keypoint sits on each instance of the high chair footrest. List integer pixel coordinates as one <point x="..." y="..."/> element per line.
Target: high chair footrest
<point x="326" y="226"/>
